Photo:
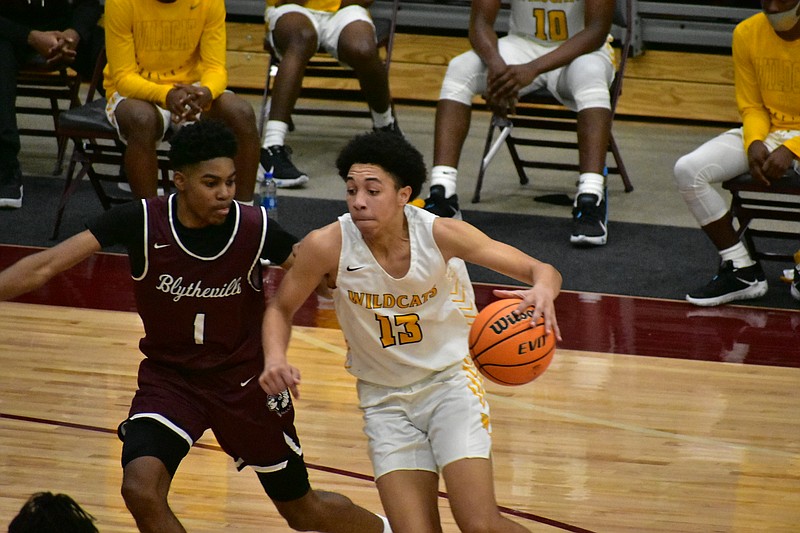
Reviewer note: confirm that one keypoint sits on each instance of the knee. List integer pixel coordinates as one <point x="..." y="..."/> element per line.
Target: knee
<point x="139" y="122"/>
<point x="359" y="50"/>
<point x="463" y="78"/>
<point x="138" y="497"/>
<point x="300" y="41"/>
<point x="685" y="175"/>
<point x="238" y="114"/>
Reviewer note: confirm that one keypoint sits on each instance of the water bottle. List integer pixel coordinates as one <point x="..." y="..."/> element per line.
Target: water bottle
<point x="269" y="199"/>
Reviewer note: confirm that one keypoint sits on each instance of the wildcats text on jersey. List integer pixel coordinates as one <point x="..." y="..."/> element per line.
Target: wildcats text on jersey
<point x="175" y="287"/>
<point x="386" y="300"/>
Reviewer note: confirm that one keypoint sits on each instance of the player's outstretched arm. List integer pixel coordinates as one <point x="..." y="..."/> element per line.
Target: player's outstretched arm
<point x="456" y="238"/>
<point x="35" y="270"/>
<point x="315" y="257"/>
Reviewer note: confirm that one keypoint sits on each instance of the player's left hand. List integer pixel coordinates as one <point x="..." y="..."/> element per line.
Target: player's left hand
<point x="777" y="163"/>
<point x="195" y="99"/>
<point x="278" y="377"/>
<point x="543" y="302"/>
<point x="507" y="84"/>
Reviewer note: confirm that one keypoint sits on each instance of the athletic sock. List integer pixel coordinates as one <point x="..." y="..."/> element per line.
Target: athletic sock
<point x="381" y="120"/>
<point x="591" y="183"/>
<point x="738" y="254"/>
<point x="275" y="133"/>
<point x="446" y="177"/>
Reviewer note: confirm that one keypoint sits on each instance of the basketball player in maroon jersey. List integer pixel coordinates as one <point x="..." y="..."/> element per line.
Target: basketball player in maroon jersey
<point x="195" y="261"/>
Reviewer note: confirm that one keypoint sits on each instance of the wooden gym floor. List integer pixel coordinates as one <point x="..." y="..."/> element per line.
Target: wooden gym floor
<point x="647" y="421"/>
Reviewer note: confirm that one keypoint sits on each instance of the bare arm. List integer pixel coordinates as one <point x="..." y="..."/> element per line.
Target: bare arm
<point x="456" y="238"/>
<point x="598" y="16"/>
<point x="316" y="259"/>
<point x="32" y="272"/>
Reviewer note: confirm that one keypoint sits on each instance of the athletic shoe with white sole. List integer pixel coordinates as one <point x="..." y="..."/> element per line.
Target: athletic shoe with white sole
<point x="11" y="188"/>
<point x="589" y="221"/>
<point x="284" y="172"/>
<point x="441" y="206"/>
<point x="731" y="284"/>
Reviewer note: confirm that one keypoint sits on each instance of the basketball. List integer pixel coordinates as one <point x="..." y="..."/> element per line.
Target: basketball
<point x="506" y="348"/>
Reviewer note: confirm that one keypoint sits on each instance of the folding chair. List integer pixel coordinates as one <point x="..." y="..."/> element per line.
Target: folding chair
<point x="541" y="111"/>
<point x="96" y="143"/>
<point x="36" y="82"/>
<point x="322" y="71"/>
<point x="767" y="213"/>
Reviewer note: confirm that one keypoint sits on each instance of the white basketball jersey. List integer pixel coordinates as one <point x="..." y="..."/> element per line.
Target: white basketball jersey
<point x="401" y="330"/>
<point x="549" y="22"/>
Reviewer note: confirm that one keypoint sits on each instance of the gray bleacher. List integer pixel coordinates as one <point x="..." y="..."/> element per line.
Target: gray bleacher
<point x="658" y="23"/>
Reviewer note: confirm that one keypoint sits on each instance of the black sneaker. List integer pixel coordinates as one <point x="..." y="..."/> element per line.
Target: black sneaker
<point x="11" y="188"/>
<point x="589" y="221"/>
<point x="394" y="128"/>
<point x="731" y="284"/>
<point x="794" y="290"/>
<point x="284" y="172"/>
<point x="441" y="206"/>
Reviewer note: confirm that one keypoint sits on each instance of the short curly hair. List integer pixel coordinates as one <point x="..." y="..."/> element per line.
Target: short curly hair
<point x="201" y="141"/>
<point x="391" y="152"/>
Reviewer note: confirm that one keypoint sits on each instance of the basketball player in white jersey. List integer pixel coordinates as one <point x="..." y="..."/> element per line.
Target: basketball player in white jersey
<point x="402" y="297"/>
<point x="561" y="46"/>
<point x="197" y="278"/>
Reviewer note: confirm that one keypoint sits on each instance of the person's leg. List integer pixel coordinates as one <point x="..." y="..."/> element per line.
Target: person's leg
<point x="142" y="127"/>
<point x="10" y="175"/>
<point x="410" y="499"/>
<point x="239" y="116"/>
<point x="294" y="38"/>
<point x="470" y="488"/>
<point x="329" y="512"/>
<point x="151" y="453"/>
<point x="465" y="77"/>
<point x="722" y="158"/>
<point x="584" y="87"/>
<point x="355" y="46"/>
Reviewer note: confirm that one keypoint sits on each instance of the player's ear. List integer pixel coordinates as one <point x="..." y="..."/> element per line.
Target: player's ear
<point x="179" y="179"/>
<point x="404" y="194"/>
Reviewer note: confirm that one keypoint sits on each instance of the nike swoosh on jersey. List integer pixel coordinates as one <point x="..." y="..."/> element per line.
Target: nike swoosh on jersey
<point x="354" y="268"/>
<point x="158" y="246"/>
<point x="245" y="382"/>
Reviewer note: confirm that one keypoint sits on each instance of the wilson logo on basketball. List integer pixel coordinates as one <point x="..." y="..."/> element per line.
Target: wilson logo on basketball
<point x="505" y="322"/>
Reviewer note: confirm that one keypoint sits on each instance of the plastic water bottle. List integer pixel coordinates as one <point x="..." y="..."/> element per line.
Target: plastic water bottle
<point x="269" y="198"/>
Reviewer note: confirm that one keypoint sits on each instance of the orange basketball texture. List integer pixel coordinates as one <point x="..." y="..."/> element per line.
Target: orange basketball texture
<point x="506" y="348"/>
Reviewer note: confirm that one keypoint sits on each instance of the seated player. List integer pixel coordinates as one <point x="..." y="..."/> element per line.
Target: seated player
<point x="166" y="67"/>
<point x="58" y="34"/>
<point x="344" y="29"/>
<point x="765" y="52"/>
<point x="561" y="46"/>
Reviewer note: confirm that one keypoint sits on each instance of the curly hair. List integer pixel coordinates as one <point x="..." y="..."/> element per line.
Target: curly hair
<point x="45" y="512"/>
<point x="391" y="152"/>
<point x="201" y="141"/>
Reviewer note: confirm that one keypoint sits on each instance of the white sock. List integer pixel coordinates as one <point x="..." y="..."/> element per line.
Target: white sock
<point x="738" y="254"/>
<point x="275" y="133"/>
<point x="591" y="183"/>
<point x="386" y="527"/>
<point x="380" y="120"/>
<point x="446" y="177"/>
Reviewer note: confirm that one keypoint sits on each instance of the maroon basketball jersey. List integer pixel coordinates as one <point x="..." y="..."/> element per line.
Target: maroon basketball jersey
<point x="201" y="313"/>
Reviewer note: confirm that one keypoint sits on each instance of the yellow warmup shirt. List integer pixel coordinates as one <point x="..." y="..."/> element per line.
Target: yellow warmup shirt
<point x="317" y="5"/>
<point x="152" y="45"/>
<point x="767" y="80"/>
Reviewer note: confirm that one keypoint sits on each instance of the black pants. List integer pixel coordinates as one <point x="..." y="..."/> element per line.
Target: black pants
<point x="11" y="58"/>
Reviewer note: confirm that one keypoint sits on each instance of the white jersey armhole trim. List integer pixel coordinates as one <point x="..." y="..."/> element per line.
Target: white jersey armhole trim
<point x="145" y="243"/>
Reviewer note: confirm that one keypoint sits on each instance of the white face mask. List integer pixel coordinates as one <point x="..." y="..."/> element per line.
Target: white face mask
<point x="785" y="20"/>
